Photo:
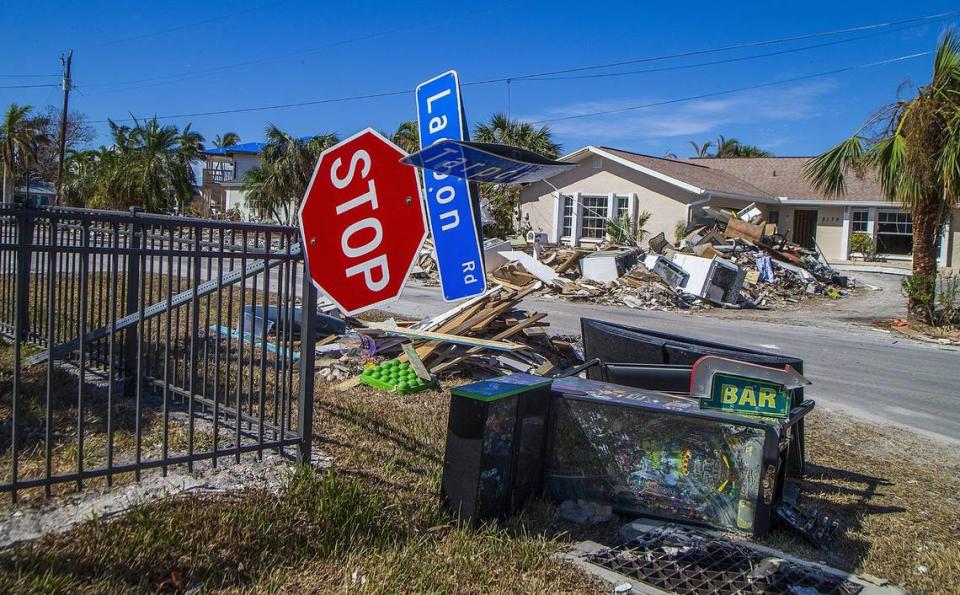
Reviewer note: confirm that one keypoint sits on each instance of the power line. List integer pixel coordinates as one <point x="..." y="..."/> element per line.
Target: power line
<point x="175" y="78"/>
<point x="26" y="86"/>
<point x="407" y="92"/>
<point x="737" y="46"/>
<point x="717" y="62"/>
<point x="177" y="28"/>
<point x="24" y="76"/>
<point x="736" y="90"/>
<point x="185" y="76"/>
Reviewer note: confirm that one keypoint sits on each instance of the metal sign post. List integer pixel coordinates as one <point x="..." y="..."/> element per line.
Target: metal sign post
<point x="452" y="214"/>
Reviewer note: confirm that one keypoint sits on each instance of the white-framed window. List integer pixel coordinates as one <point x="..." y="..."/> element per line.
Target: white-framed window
<point x="593" y="224"/>
<point x="894" y="232"/>
<point x="566" y="229"/>
<point x="858" y="221"/>
<point x="623" y="206"/>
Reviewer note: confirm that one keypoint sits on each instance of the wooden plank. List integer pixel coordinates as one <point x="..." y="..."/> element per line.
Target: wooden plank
<point x="327" y="339"/>
<point x="510" y="332"/>
<point x="447" y="338"/>
<point x="570" y="261"/>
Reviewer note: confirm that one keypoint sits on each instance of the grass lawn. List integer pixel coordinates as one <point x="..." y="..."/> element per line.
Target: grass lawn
<point x="375" y="524"/>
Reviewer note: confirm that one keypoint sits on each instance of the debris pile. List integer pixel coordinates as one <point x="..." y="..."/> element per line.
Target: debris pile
<point x="489" y="335"/>
<point x="735" y="260"/>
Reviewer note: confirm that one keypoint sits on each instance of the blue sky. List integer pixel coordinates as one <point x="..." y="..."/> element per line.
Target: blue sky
<point x="179" y="57"/>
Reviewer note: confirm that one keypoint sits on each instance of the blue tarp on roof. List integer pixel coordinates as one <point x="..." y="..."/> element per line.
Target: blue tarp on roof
<point x="242" y="148"/>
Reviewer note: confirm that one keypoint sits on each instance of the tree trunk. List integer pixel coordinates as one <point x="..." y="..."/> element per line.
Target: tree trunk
<point x="921" y="298"/>
<point x="8" y="188"/>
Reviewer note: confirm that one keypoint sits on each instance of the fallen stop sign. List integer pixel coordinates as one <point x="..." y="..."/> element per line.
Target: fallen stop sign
<point x="362" y="222"/>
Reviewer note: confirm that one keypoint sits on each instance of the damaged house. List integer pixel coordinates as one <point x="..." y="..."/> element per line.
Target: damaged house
<point x="572" y="207"/>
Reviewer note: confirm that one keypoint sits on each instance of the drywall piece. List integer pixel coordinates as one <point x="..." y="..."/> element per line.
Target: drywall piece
<point x="533" y="266"/>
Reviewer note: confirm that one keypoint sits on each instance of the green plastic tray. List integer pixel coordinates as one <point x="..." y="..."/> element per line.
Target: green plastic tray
<point x="394" y="376"/>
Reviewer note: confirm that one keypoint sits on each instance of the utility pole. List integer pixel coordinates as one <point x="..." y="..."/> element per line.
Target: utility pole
<point x="67" y="85"/>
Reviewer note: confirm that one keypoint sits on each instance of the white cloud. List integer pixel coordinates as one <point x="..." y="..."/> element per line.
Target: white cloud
<point x="683" y="120"/>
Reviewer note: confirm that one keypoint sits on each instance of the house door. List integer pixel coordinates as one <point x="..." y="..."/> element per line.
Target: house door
<point x="805" y="227"/>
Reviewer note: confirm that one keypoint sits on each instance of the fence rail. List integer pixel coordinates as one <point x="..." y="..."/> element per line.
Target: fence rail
<point x="137" y="341"/>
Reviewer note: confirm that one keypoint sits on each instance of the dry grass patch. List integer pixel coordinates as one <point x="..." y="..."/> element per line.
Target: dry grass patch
<point x="377" y="524"/>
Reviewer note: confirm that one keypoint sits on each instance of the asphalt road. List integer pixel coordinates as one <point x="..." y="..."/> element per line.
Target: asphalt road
<point x="870" y="374"/>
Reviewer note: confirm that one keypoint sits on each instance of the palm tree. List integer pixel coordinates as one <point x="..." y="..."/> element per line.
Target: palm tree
<point x="504" y="199"/>
<point x="286" y="166"/>
<point x="147" y="165"/>
<point x="913" y="146"/>
<point x="703" y="150"/>
<point x="228" y="139"/>
<point x="727" y="147"/>
<point x="407" y="136"/>
<point x="20" y="138"/>
<point x="515" y="133"/>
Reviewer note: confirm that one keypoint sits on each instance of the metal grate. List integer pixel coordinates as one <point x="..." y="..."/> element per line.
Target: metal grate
<point x="683" y="560"/>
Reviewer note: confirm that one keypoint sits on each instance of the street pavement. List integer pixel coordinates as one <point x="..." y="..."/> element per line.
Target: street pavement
<point x="870" y="374"/>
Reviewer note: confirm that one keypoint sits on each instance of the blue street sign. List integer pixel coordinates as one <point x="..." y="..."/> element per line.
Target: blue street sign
<point x="456" y="235"/>
<point x="486" y="162"/>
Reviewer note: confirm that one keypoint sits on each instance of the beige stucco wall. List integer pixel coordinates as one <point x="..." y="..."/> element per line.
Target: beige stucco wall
<point x="666" y="203"/>
<point x="830" y="231"/>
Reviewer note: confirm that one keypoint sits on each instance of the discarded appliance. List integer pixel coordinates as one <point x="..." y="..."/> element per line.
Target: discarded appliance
<point x="537" y="239"/>
<point x="672" y="273"/>
<point x="748" y="212"/>
<point x="613" y="343"/>
<point x="608" y="265"/>
<point x="496" y="438"/>
<point x="648" y="453"/>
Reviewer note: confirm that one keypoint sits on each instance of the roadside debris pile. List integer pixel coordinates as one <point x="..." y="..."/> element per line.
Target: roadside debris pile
<point x="485" y="336"/>
<point x="737" y="261"/>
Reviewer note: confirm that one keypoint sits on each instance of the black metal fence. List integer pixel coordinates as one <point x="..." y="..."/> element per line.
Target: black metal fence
<point x="136" y="341"/>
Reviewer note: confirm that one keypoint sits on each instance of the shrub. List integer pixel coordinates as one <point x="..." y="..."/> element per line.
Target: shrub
<point x="861" y="243"/>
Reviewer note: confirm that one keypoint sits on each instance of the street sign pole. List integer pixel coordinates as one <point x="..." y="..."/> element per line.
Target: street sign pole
<point x="453" y="215"/>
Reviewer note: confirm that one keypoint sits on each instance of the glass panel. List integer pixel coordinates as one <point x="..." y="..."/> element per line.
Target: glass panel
<point x="644" y="462"/>
<point x="894" y="232"/>
<point x="858" y="221"/>
<point x="623" y="206"/>
<point x="595" y="213"/>
<point x="567" y="229"/>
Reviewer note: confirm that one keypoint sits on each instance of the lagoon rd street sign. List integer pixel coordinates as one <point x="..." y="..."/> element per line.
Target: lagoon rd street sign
<point x="453" y="219"/>
<point x="362" y="222"/>
<point x="486" y="162"/>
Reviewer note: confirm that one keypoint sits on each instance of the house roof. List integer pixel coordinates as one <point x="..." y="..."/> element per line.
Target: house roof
<point x="701" y="176"/>
<point x="240" y="148"/>
<point x="783" y="177"/>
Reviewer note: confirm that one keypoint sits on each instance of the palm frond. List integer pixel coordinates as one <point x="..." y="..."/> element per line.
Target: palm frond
<point x="828" y="170"/>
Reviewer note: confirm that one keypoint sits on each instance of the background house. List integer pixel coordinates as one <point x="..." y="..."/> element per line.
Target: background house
<point x="222" y="172"/>
<point x="572" y="207"/>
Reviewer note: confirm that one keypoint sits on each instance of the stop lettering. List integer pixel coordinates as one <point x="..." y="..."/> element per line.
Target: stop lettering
<point x="362" y="222"/>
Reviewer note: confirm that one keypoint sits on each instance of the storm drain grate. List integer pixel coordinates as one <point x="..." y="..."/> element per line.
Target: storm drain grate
<point x="684" y="560"/>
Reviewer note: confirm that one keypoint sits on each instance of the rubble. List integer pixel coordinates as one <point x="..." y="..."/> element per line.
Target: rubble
<point x="738" y="261"/>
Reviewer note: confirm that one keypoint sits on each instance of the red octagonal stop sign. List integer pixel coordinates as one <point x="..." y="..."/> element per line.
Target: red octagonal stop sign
<point x="362" y="222"/>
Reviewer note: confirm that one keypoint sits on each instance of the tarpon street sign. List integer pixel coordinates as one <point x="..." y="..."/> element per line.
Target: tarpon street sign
<point x="486" y="162"/>
<point x="362" y="222"/>
<point x="453" y="224"/>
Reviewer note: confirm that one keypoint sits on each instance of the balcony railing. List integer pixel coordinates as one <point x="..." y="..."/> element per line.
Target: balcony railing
<point x="217" y="176"/>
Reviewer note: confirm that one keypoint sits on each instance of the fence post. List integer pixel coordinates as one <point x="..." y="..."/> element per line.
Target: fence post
<point x="308" y="342"/>
<point x="24" y="262"/>
<point x="133" y="302"/>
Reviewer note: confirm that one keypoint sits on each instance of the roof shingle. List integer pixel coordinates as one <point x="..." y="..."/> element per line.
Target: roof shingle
<point x="695" y="174"/>
<point x="783" y="176"/>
